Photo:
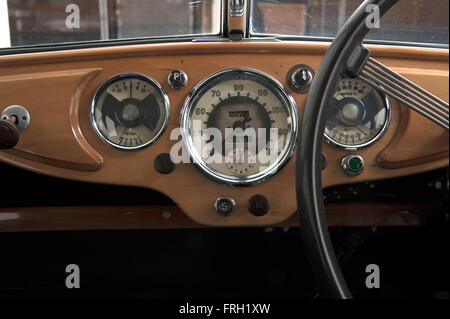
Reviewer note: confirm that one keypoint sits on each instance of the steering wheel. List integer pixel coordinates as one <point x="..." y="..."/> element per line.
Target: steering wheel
<point x="346" y="56"/>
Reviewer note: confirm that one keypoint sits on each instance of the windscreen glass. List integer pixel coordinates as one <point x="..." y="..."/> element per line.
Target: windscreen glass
<point x="409" y="21"/>
<point x="42" y="22"/>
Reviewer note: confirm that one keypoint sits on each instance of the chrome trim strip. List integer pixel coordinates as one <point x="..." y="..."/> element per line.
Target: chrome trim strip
<point x="407" y="92"/>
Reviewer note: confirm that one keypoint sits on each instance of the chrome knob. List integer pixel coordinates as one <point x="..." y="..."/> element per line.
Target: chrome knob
<point x="13" y="120"/>
<point x="300" y="78"/>
<point x="18" y="115"/>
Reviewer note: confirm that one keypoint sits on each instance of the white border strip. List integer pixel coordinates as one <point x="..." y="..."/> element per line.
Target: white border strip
<point x="104" y="21"/>
<point x="5" y="37"/>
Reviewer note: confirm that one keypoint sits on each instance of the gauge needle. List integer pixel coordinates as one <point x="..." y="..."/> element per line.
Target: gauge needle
<point x="359" y="129"/>
<point x="131" y="88"/>
<point x="120" y="138"/>
<point x="341" y="94"/>
<point x="110" y="105"/>
<point x="340" y="116"/>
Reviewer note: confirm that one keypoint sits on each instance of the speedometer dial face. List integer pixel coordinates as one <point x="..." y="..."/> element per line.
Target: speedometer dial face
<point x="359" y="115"/>
<point x="130" y="111"/>
<point x="239" y="126"/>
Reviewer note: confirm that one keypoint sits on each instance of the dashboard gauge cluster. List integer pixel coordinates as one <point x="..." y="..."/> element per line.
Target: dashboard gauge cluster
<point x="239" y="100"/>
<point x="130" y="111"/>
<point x="239" y="126"/>
<point x="359" y="115"/>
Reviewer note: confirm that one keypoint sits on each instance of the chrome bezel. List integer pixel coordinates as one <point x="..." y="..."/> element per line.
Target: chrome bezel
<point x="21" y="113"/>
<point x="142" y="77"/>
<point x="253" y="179"/>
<point x="388" y="106"/>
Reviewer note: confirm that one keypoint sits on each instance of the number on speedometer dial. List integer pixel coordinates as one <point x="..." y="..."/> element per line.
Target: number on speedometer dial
<point x="239" y="126"/>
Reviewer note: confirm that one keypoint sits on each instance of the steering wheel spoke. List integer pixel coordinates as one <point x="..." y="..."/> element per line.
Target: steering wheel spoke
<point x="406" y="92"/>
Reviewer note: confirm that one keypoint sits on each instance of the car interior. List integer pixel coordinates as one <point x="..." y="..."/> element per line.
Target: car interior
<point x="224" y="149"/>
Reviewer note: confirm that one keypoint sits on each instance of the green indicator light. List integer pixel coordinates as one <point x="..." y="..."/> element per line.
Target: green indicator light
<point x="355" y="164"/>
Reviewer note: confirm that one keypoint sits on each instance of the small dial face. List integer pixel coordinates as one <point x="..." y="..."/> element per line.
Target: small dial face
<point x="130" y="111"/>
<point x="359" y="115"/>
<point x="236" y="101"/>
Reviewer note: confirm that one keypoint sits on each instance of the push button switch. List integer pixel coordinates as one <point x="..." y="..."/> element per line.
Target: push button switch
<point x="177" y="79"/>
<point x="225" y="206"/>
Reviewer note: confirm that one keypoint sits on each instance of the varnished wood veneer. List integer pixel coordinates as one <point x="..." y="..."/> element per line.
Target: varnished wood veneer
<point x="21" y="219"/>
<point x="61" y="142"/>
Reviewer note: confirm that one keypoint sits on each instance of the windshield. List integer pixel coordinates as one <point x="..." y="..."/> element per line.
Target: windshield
<point x="409" y="21"/>
<point x="33" y="22"/>
<point x="25" y="23"/>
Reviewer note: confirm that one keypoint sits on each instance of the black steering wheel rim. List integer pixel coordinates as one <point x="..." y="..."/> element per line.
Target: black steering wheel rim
<point x="346" y="55"/>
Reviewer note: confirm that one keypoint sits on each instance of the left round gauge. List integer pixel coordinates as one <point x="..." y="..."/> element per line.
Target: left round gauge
<point x="130" y="111"/>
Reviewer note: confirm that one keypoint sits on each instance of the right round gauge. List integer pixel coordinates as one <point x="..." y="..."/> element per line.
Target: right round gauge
<point x="359" y="116"/>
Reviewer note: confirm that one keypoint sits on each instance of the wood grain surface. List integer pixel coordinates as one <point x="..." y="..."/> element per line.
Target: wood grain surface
<point x="22" y="219"/>
<point x="57" y="89"/>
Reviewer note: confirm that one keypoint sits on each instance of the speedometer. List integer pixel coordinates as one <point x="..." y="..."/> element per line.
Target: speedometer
<point x="359" y="115"/>
<point x="239" y="126"/>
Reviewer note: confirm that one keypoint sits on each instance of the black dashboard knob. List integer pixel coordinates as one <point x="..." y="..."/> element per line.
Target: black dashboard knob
<point x="164" y="163"/>
<point x="258" y="205"/>
<point x="9" y="135"/>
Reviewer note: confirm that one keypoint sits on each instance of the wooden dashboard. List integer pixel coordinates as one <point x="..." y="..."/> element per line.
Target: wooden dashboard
<point x="57" y="89"/>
